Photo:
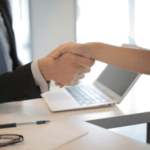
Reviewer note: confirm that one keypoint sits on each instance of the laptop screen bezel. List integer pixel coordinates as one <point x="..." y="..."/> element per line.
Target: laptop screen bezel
<point x="111" y="93"/>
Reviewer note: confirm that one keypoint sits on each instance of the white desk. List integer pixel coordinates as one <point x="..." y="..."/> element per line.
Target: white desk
<point x="130" y="111"/>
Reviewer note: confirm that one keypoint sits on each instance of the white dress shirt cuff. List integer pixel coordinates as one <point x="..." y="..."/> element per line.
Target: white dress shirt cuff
<point x="38" y="77"/>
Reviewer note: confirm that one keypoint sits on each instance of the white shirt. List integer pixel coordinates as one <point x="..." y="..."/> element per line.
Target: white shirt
<point x="38" y="77"/>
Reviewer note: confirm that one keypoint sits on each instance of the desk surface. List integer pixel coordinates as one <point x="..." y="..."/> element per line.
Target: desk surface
<point x="134" y="109"/>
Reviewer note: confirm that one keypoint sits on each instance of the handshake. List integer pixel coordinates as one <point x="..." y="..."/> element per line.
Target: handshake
<point x="67" y="64"/>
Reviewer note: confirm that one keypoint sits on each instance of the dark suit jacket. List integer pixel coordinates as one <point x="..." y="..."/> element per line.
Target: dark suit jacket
<point x="18" y="84"/>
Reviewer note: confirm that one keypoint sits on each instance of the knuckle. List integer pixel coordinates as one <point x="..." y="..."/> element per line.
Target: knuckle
<point x="71" y="78"/>
<point x="75" y="76"/>
<point x="75" y="70"/>
<point x="82" y="76"/>
<point x="92" y="62"/>
<point x="77" y="82"/>
<point x="72" y="83"/>
<point x="79" y="76"/>
<point x="88" y="70"/>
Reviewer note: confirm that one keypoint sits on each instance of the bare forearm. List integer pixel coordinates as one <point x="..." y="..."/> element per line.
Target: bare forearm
<point x="134" y="60"/>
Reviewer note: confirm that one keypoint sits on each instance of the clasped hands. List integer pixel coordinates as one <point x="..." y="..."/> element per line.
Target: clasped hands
<point x="66" y="65"/>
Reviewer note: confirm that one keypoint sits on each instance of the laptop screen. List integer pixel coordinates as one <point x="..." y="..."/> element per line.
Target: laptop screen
<point x="116" y="79"/>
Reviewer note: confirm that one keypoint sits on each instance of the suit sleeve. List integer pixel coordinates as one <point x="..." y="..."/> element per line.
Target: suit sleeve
<point x="18" y="85"/>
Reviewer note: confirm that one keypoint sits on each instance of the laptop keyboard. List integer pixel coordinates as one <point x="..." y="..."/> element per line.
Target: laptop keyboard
<point x="86" y="95"/>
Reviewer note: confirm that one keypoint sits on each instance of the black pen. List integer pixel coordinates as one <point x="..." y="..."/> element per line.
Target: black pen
<point x="11" y="125"/>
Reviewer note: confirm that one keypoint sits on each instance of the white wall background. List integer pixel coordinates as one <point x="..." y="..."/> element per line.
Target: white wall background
<point x="52" y="23"/>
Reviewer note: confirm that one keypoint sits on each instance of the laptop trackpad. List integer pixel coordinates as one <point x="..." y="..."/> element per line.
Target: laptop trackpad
<point x="59" y="101"/>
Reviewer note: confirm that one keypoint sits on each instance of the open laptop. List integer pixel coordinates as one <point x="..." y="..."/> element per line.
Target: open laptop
<point x="111" y="86"/>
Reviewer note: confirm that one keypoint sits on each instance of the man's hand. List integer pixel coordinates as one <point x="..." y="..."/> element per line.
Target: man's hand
<point x="66" y="69"/>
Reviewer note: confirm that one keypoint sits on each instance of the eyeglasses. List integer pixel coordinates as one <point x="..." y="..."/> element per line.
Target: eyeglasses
<point x="9" y="139"/>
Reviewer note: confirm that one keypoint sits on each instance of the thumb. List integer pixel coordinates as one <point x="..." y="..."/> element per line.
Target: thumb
<point x="61" y="50"/>
<point x="56" y="54"/>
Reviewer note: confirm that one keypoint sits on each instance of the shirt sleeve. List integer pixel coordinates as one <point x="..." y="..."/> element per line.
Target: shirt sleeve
<point x="38" y="77"/>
